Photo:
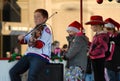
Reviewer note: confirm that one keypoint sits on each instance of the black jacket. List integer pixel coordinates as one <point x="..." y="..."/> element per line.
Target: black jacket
<point x="114" y="64"/>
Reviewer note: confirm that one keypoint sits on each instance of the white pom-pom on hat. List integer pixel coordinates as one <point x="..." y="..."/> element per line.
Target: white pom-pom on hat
<point x="109" y="25"/>
<point x="74" y="26"/>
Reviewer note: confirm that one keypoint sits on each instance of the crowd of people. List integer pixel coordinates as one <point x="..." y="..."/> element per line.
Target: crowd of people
<point x="86" y="60"/>
<point x="99" y="59"/>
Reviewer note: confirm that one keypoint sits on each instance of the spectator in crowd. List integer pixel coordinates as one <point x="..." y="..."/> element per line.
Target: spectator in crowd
<point x="64" y="50"/>
<point x="57" y="50"/>
<point x="52" y="50"/>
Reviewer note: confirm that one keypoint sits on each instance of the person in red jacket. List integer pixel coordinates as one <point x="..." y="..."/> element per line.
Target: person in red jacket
<point x="98" y="47"/>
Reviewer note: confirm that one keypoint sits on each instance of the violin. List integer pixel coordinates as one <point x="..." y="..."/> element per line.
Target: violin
<point x="38" y="32"/>
<point x="35" y="35"/>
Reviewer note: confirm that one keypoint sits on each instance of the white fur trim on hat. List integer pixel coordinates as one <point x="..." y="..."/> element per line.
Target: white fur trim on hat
<point x="109" y="25"/>
<point x="72" y="29"/>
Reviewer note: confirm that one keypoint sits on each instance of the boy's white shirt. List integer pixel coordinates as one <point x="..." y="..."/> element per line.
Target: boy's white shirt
<point x="46" y="38"/>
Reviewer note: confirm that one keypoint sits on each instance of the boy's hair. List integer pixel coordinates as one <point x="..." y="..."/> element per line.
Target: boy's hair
<point x="65" y="46"/>
<point x="43" y="12"/>
<point x="55" y="42"/>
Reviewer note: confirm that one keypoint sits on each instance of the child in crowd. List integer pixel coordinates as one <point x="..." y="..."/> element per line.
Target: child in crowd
<point x="113" y="61"/>
<point x="98" y="47"/>
<point x="76" y="55"/>
<point x="64" y="50"/>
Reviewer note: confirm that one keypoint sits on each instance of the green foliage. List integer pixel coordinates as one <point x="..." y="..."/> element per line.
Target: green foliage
<point x="56" y="57"/>
<point x="13" y="57"/>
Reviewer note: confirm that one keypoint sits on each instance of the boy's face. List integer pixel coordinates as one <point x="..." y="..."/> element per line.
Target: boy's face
<point x="57" y="44"/>
<point x="38" y="18"/>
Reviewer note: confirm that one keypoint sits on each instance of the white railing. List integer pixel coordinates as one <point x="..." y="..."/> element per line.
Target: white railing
<point x="5" y="66"/>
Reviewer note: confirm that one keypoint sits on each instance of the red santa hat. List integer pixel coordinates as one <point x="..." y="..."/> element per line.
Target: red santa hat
<point x="112" y="23"/>
<point x="75" y="26"/>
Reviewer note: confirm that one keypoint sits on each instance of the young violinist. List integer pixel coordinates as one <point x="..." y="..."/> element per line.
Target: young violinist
<point x="38" y="51"/>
